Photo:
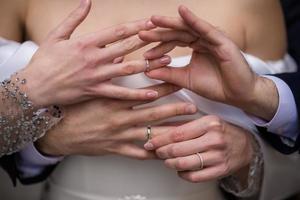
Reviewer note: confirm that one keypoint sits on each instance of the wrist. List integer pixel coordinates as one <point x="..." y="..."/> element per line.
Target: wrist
<point x="34" y="87"/>
<point x="264" y="101"/>
<point x="44" y="148"/>
<point x="242" y="174"/>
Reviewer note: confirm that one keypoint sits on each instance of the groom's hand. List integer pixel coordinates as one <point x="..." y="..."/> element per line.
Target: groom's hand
<point x="217" y="71"/>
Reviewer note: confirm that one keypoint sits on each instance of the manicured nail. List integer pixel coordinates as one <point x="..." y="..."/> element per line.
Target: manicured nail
<point x="165" y="60"/>
<point x="191" y="109"/>
<point x="149" y="24"/>
<point x="152" y="94"/>
<point x="149" y="146"/>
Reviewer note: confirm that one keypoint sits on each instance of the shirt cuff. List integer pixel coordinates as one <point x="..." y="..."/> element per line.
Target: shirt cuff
<point x="285" y="121"/>
<point x="31" y="163"/>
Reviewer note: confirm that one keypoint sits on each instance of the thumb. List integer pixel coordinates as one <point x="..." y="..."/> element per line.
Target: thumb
<point x="176" y="76"/>
<point x="65" y="29"/>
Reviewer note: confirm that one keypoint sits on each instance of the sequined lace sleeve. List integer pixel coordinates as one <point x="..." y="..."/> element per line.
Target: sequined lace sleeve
<point x="232" y="184"/>
<point x="20" y="122"/>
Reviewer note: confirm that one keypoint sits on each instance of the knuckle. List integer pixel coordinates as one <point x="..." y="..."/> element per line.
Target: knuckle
<point x="180" y="109"/>
<point x="181" y="164"/>
<point x="129" y="44"/>
<point x="174" y="151"/>
<point x="225" y="170"/>
<point x="159" y="152"/>
<point x="121" y="95"/>
<point x="215" y="122"/>
<point x="129" y="69"/>
<point x="154" y="115"/>
<point x="79" y="44"/>
<point x="178" y="135"/>
<point x="226" y="50"/>
<point x="120" y="31"/>
<point x="89" y="60"/>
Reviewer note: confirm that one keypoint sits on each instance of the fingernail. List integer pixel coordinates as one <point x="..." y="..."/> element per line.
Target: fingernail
<point x="152" y="94"/>
<point x="149" y="24"/>
<point x="149" y="146"/>
<point x="165" y="60"/>
<point x="191" y="109"/>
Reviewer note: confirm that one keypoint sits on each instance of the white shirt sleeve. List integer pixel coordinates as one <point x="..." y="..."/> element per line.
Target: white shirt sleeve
<point x="31" y="163"/>
<point x="14" y="56"/>
<point x="285" y="121"/>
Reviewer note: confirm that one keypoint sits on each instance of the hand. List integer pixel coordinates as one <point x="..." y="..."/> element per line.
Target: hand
<point x="217" y="70"/>
<point x="66" y="71"/>
<point x="110" y="126"/>
<point x="225" y="149"/>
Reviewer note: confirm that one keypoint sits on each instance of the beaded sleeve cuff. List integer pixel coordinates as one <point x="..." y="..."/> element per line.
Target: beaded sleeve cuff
<point x="232" y="185"/>
<point x="20" y="121"/>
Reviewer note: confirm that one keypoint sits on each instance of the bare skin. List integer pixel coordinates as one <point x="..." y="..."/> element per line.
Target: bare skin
<point x="240" y="20"/>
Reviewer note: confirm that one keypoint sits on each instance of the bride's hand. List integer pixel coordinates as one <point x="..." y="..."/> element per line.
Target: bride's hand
<point x="110" y="126"/>
<point x="68" y="70"/>
<point x="217" y="70"/>
<point x="220" y="148"/>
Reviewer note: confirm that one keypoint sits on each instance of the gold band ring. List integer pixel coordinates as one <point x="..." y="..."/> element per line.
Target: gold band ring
<point x="201" y="160"/>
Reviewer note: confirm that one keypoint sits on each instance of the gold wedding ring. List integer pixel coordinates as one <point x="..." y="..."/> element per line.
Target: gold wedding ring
<point x="201" y="160"/>
<point x="148" y="133"/>
<point x="147" y="65"/>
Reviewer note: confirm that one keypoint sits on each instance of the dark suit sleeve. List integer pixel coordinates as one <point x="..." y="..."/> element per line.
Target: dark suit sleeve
<point x="8" y="163"/>
<point x="291" y="9"/>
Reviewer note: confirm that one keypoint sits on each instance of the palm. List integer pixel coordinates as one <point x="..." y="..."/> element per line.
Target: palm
<point x="203" y="77"/>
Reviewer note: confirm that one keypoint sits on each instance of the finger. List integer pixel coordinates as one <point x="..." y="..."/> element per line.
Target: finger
<point x="200" y="26"/>
<point x="176" y="76"/>
<point x="174" y="23"/>
<point x="117" y="33"/>
<point x="204" y="175"/>
<point x="121" y="48"/>
<point x="133" y="151"/>
<point x="181" y="149"/>
<point x="110" y="71"/>
<point x="118" y="92"/>
<point x="185" y="132"/>
<point x="67" y="27"/>
<point x="207" y="142"/>
<point x="163" y="89"/>
<point x="202" y="46"/>
<point x="153" y="114"/>
<point x="166" y="36"/>
<point x="140" y="133"/>
<point x="163" y="48"/>
<point x="192" y="162"/>
<point x="174" y="123"/>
